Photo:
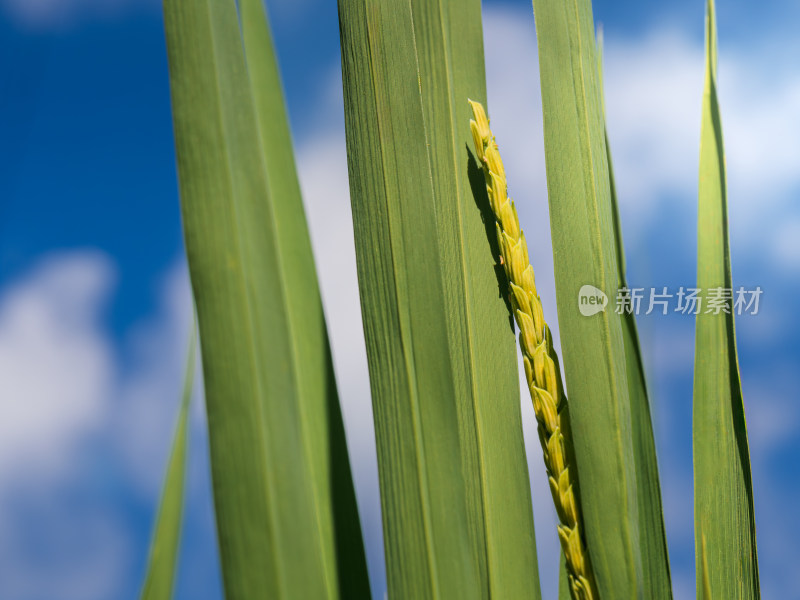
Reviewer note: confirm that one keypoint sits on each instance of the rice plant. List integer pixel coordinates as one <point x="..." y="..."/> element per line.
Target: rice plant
<point x="442" y="266"/>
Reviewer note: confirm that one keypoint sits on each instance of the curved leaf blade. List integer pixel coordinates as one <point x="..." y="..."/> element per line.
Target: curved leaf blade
<point x="273" y="540"/>
<point x="725" y="536"/>
<point x="449" y="50"/>
<point x="423" y="265"/>
<point x="162" y="564"/>
<point x="320" y="416"/>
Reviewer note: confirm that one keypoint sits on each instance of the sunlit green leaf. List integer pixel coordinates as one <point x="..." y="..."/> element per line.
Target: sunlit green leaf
<point x="285" y="513"/>
<point x="455" y="496"/>
<point x="725" y="535"/>
<point x="163" y="562"/>
<point x="320" y="416"/>
<point x="449" y="43"/>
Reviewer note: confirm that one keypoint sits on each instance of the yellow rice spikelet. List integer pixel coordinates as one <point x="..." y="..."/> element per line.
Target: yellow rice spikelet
<point x="542" y="375"/>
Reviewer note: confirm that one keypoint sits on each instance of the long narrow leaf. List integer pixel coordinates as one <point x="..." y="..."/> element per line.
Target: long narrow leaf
<point x="449" y="49"/>
<point x="585" y="254"/>
<point x="274" y="538"/>
<point x="725" y="536"/>
<point x="162" y="565"/>
<point x="653" y="537"/>
<point x="321" y="417"/>
<point x="418" y="384"/>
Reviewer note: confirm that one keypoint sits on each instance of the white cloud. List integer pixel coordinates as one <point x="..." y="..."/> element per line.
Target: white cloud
<point x="786" y="244"/>
<point x="61" y="378"/>
<point x="672" y="348"/>
<point x="56" y="14"/>
<point x="654" y="88"/>
<point x="142" y="416"/>
<point x="44" y="14"/>
<point x="55" y="361"/>
<point x="79" y="415"/>
<point x="773" y="416"/>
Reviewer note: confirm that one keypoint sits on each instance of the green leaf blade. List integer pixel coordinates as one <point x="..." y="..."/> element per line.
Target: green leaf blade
<point x="159" y="581"/>
<point x="653" y="538"/>
<point x="268" y="489"/>
<point x="725" y="538"/>
<point x="454" y="490"/>
<point x="324" y="436"/>
<point x="426" y="537"/>
<point x="585" y="254"/>
<point x="449" y="49"/>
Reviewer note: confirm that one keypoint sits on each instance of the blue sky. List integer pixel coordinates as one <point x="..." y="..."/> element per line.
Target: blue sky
<point x="94" y="297"/>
